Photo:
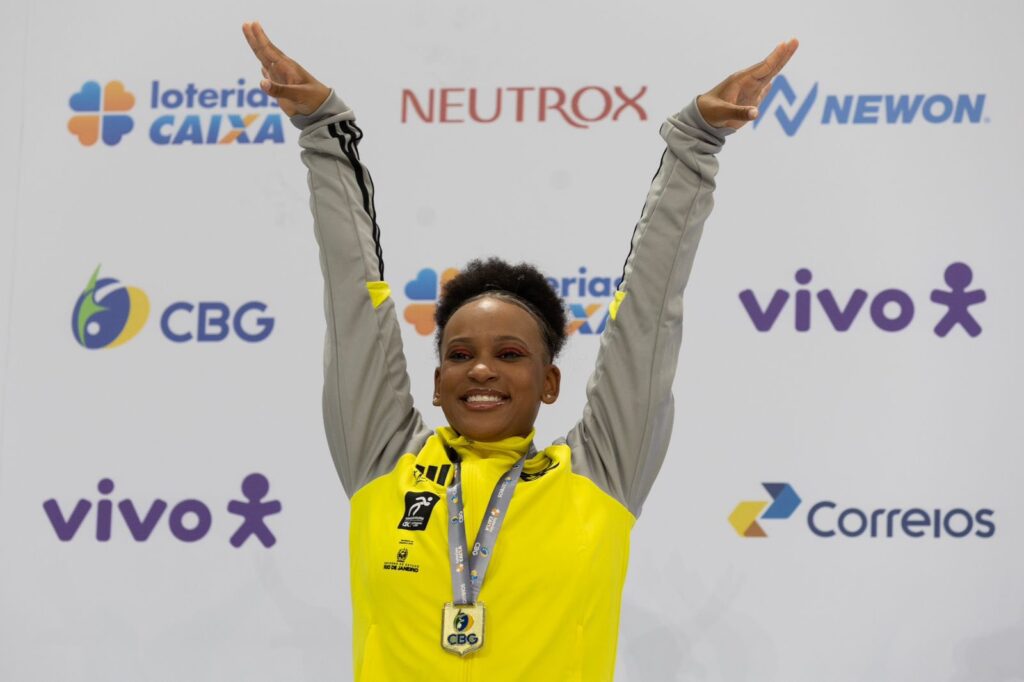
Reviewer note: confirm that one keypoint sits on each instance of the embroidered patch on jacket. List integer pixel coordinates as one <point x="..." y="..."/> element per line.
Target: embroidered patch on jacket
<point x="418" y="507"/>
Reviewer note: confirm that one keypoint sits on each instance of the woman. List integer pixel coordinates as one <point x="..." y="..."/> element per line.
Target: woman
<point x="425" y="605"/>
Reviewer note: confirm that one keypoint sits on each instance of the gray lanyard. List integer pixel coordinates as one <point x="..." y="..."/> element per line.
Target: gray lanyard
<point x="468" y="568"/>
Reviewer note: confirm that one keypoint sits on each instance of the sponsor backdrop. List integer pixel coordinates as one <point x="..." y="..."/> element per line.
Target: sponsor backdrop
<point x="841" y="497"/>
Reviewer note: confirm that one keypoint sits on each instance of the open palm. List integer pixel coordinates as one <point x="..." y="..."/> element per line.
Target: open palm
<point x="295" y="88"/>
<point x="733" y="102"/>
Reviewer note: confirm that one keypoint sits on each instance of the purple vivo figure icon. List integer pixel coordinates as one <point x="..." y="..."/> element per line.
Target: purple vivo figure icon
<point x="254" y="511"/>
<point x="958" y="277"/>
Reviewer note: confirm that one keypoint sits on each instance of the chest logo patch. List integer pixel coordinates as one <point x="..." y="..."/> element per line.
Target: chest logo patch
<point x="418" y="508"/>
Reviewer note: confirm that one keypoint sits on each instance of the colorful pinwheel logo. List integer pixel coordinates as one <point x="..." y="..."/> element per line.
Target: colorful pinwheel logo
<point x="101" y="113"/>
<point x="423" y="291"/>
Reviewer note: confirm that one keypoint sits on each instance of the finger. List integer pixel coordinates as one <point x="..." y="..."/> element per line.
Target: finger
<point x="265" y="50"/>
<point x="779" y="57"/>
<point x="721" y="112"/>
<point x="771" y="65"/>
<point x="283" y="91"/>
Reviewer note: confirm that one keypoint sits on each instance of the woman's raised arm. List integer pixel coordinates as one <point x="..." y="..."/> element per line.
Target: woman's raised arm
<point x="623" y="436"/>
<point x="368" y="411"/>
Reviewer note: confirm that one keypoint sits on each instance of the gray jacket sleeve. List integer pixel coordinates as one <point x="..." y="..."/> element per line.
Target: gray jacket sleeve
<point x="622" y="438"/>
<point x="368" y="410"/>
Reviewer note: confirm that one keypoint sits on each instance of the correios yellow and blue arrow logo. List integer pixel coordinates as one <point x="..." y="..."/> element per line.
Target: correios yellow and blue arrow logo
<point x="744" y="518"/>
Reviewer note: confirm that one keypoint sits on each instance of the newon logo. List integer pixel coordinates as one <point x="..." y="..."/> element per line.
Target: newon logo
<point x="890" y="310"/>
<point x="792" y="110"/>
<point x="577" y="107"/>
<point x="832" y="519"/>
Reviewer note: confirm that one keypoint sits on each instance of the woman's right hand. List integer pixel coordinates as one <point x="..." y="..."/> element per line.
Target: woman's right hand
<point x="295" y="89"/>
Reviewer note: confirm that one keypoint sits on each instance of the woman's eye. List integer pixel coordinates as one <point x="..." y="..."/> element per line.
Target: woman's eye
<point x="511" y="353"/>
<point x="458" y="355"/>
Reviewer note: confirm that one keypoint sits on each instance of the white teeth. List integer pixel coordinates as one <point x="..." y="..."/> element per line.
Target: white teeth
<point x="483" y="399"/>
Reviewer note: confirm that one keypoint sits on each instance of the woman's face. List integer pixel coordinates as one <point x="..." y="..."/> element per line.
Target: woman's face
<point x="494" y="371"/>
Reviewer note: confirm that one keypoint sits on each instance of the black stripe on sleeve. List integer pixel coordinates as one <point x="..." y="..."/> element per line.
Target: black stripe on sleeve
<point x="660" y="164"/>
<point x="348" y="135"/>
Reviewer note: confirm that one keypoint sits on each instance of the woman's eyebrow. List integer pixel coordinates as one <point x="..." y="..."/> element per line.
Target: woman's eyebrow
<point x="469" y="341"/>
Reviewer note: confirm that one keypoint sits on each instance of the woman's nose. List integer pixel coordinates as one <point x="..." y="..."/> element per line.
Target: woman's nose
<point x="481" y="371"/>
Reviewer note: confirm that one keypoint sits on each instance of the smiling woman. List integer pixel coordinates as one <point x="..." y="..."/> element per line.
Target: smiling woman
<point x="553" y="585"/>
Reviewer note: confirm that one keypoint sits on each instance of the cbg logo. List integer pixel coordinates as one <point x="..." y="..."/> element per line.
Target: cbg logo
<point x="746" y="514"/>
<point x="188" y="520"/>
<point x="106" y="318"/>
<point x="890" y="310"/>
<point x="828" y="519"/>
<point x="101" y="111"/>
<point x="216" y="115"/>
<point x="579" y="291"/>
<point x="889" y="109"/>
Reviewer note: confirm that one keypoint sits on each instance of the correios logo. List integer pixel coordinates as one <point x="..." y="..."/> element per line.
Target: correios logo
<point x="106" y="315"/>
<point x="792" y="110"/>
<point x="185" y="115"/>
<point x="579" y="107"/>
<point x="586" y="298"/>
<point x="101" y="111"/>
<point x="745" y="516"/>
<point x="830" y="519"/>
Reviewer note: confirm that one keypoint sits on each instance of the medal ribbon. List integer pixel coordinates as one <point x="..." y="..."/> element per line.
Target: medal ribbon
<point x="468" y="568"/>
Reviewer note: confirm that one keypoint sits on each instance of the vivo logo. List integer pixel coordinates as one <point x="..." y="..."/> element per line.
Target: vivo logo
<point x="890" y="310"/>
<point x="188" y="520"/>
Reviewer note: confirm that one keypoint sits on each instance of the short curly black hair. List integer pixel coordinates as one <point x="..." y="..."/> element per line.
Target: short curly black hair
<point x="522" y="284"/>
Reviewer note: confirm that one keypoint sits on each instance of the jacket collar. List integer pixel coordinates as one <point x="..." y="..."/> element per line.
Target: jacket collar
<point x="508" y="448"/>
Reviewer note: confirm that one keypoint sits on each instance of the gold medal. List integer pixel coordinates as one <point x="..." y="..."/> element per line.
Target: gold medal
<point x="462" y="627"/>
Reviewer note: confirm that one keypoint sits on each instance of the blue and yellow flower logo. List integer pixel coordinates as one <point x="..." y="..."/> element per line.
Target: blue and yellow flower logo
<point x="105" y="316"/>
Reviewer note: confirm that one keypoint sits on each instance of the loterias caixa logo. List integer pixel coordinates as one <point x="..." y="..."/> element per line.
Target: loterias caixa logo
<point x="827" y="518"/>
<point x="174" y="114"/>
<point x="107" y="314"/>
<point x="792" y="111"/>
<point x="586" y="296"/>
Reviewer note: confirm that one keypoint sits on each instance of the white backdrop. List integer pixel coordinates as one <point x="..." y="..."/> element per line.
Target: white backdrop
<point x="867" y="419"/>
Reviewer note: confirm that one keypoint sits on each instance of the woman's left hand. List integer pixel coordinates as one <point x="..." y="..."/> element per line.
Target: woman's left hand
<point x="733" y="102"/>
